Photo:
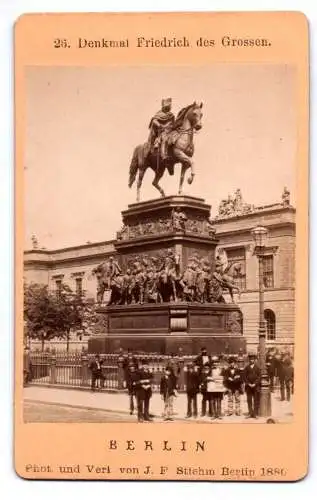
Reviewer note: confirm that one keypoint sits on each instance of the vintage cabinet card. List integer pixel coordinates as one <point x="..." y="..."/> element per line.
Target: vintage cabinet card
<point x="161" y="246"/>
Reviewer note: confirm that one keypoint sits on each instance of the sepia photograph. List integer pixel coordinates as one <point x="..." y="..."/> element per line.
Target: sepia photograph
<point x="159" y="244"/>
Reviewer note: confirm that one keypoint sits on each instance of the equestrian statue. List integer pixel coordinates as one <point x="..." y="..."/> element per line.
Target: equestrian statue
<point x="171" y="141"/>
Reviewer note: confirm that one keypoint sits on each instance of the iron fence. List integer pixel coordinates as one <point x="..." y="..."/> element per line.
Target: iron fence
<point x="72" y="369"/>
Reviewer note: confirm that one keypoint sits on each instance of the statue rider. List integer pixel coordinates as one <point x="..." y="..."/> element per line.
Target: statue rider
<point x="160" y="126"/>
<point x="221" y="264"/>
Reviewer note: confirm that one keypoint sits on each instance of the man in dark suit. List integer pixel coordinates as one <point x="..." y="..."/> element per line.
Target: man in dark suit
<point x="144" y="391"/>
<point x="286" y="377"/>
<point x="192" y="389"/>
<point x="95" y="367"/>
<point x="252" y="380"/>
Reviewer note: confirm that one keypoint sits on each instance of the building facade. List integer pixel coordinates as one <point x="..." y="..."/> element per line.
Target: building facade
<point x="233" y="225"/>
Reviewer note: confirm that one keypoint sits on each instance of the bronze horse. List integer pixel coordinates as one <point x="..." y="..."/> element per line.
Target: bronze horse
<point x="180" y="150"/>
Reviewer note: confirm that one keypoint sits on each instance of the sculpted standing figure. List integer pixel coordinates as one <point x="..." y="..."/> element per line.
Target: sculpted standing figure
<point x="225" y="272"/>
<point x="221" y="262"/>
<point x="286" y="196"/>
<point x="114" y="270"/>
<point x="160" y="126"/>
<point x="178" y="219"/>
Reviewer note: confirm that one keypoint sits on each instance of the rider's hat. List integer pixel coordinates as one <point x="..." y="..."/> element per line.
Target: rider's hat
<point x="167" y="101"/>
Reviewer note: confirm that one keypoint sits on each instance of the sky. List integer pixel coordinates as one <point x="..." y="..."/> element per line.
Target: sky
<point x="82" y="125"/>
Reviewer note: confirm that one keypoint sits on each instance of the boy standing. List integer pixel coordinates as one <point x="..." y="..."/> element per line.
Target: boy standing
<point x="168" y="392"/>
<point x="95" y="367"/>
<point x="206" y="387"/>
<point x="233" y="383"/>
<point x="217" y="388"/>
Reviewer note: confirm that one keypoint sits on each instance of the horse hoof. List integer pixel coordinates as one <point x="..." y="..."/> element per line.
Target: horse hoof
<point x="190" y="179"/>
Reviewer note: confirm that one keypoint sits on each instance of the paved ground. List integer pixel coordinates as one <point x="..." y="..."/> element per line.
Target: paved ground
<point x="51" y="413"/>
<point x="77" y="406"/>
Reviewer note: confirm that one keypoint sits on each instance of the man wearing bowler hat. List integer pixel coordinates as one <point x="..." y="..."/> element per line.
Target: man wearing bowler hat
<point x="144" y="391"/>
<point x="252" y="380"/>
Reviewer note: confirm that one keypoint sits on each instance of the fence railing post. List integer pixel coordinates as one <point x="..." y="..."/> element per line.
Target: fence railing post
<point x="84" y="369"/>
<point x="52" y="367"/>
<point x="120" y="372"/>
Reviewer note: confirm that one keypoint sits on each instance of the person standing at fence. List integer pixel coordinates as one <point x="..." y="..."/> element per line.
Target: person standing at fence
<point x="233" y="384"/>
<point x="286" y="377"/>
<point x="217" y="388"/>
<point x="168" y="391"/>
<point x="27" y="366"/>
<point x="192" y="381"/>
<point x="129" y="359"/>
<point x="252" y="379"/>
<point x="144" y="392"/>
<point x="132" y="378"/>
<point x="95" y="367"/>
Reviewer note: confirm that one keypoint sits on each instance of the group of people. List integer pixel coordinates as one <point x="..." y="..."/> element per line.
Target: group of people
<point x="214" y="380"/>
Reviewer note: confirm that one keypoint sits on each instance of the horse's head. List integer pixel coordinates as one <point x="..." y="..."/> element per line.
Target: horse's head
<point x="234" y="269"/>
<point x="194" y="115"/>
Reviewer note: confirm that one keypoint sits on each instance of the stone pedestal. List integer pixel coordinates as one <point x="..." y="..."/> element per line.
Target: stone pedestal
<point x="150" y="229"/>
<point x="164" y="328"/>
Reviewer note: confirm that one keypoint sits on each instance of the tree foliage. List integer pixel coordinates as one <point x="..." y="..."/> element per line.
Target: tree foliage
<point x="49" y="315"/>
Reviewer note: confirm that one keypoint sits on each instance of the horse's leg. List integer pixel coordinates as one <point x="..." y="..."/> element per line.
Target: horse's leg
<point x="158" y="175"/>
<point x="181" y="179"/>
<point x="186" y="163"/>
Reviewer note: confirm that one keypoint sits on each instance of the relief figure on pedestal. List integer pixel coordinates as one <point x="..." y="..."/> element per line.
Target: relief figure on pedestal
<point x="109" y="277"/>
<point x="178" y="219"/>
<point x="225" y="273"/>
<point x="169" y="277"/>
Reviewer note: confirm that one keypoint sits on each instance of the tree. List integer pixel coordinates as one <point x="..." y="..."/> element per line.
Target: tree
<point x="49" y="315"/>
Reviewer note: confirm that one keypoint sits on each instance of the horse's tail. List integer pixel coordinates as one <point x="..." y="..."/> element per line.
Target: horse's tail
<point x="137" y="162"/>
<point x="133" y="167"/>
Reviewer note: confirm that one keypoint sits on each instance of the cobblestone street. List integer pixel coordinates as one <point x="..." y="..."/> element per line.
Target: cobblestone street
<point x="43" y="404"/>
<point x="46" y="412"/>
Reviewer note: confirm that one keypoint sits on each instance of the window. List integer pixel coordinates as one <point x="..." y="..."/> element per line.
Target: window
<point x="237" y="255"/>
<point x="268" y="274"/>
<point x="269" y="317"/>
<point x="79" y="287"/>
<point x="58" y="288"/>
